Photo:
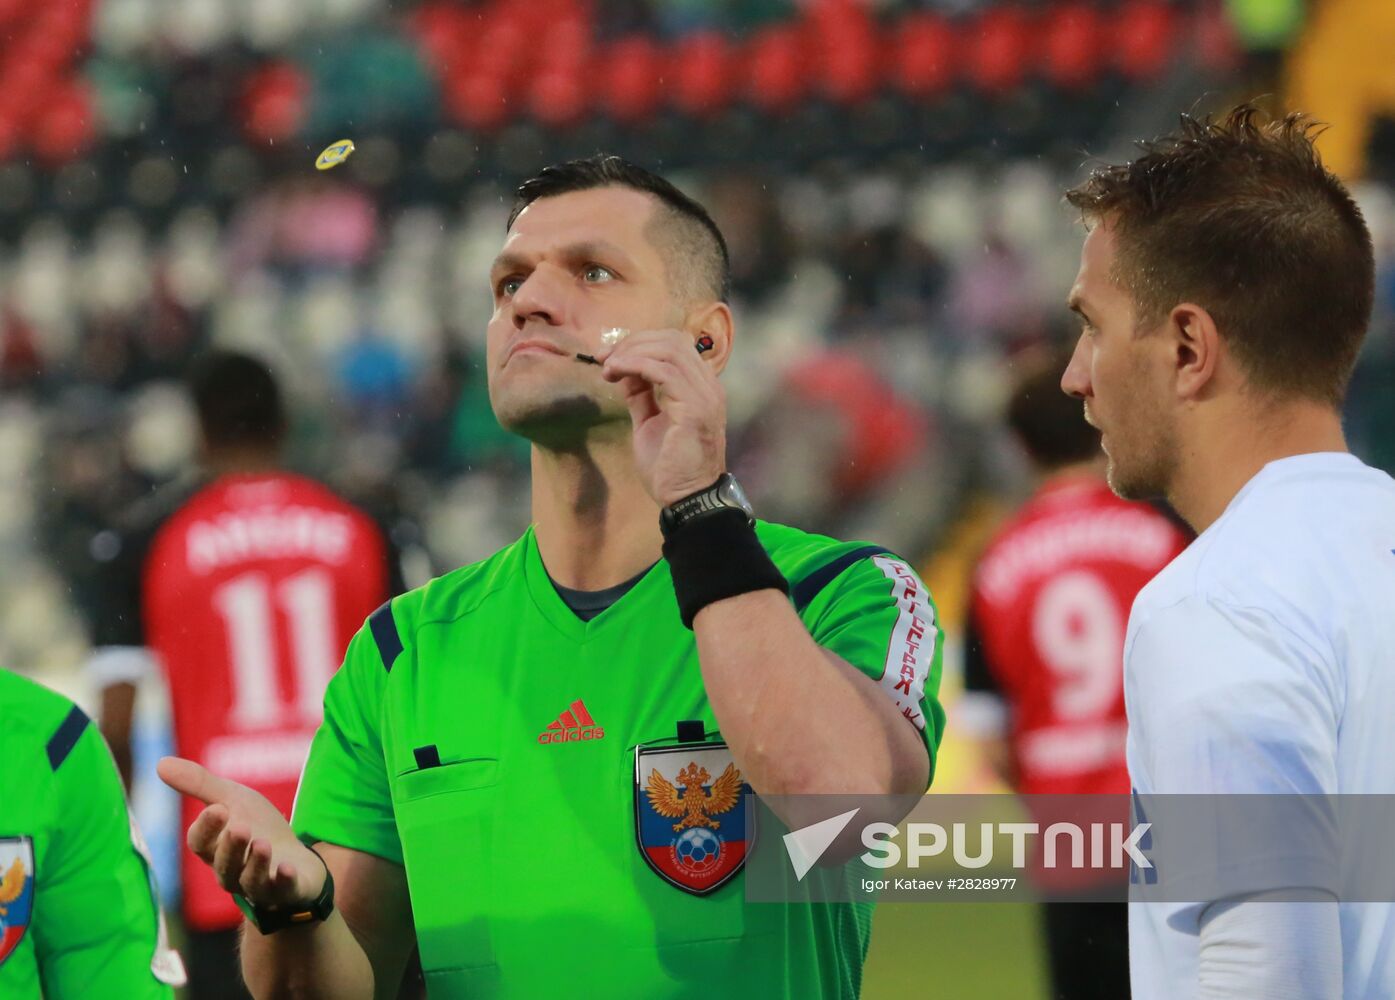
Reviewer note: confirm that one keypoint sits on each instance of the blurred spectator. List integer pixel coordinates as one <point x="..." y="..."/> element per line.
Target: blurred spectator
<point x="993" y="305"/>
<point x="375" y="378"/>
<point x="244" y="585"/>
<point x="1044" y="652"/>
<point x="303" y="226"/>
<point x="758" y="238"/>
<point x="20" y="362"/>
<point x="838" y="451"/>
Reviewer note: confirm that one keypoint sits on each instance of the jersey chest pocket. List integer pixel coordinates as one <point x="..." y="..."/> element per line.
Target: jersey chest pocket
<point x="445" y="819"/>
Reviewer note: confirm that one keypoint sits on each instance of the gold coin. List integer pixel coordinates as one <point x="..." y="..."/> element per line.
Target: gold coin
<point x="335" y="155"/>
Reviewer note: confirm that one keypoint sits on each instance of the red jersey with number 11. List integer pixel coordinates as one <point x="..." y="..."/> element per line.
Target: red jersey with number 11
<point x="1051" y="600"/>
<point x="250" y="594"/>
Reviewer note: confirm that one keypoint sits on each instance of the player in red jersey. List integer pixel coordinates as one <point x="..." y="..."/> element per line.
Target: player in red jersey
<point x="246" y="587"/>
<point x="1044" y="651"/>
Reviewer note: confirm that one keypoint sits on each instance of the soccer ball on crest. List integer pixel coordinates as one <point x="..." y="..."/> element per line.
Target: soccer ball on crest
<point x="698" y="849"/>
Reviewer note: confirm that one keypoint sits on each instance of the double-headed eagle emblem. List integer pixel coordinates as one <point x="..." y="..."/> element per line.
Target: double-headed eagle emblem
<point x="12" y="884"/>
<point x="694" y="804"/>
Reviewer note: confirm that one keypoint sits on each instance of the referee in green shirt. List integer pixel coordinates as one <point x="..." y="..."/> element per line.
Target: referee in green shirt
<point x="78" y="913"/>
<point x="531" y="768"/>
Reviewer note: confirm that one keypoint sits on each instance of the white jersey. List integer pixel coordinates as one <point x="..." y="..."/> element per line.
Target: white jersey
<point x="1262" y="660"/>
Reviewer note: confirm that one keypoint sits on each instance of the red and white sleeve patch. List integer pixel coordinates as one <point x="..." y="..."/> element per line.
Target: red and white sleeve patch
<point x="911" y="649"/>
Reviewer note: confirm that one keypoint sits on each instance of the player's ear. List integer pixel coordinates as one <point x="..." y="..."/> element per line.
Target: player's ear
<point x="1196" y="348"/>
<point x="714" y="321"/>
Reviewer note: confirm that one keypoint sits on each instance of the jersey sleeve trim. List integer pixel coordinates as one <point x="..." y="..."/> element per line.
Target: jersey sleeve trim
<point x="384" y="630"/>
<point x="812" y="585"/>
<point x="61" y="743"/>
<point x="910" y="651"/>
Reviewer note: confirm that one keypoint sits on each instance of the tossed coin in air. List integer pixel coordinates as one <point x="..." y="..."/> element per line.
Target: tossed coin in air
<point x="335" y="155"/>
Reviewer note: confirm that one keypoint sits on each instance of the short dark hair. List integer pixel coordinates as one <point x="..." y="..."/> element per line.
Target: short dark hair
<point x="690" y="242"/>
<point x="1240" y="216"/>
<point x="1050" y="424"/>
<point x="237" y="400"/>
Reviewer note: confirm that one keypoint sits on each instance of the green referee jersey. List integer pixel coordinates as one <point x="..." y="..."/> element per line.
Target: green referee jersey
<point x="484" y="736"/>
<point x="78" y="914"/>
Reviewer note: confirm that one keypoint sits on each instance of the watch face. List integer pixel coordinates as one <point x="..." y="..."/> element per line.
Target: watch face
<point x="731" y="492"/>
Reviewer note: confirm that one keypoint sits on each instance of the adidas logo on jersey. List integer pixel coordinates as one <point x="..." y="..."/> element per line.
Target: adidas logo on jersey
<point x="572" y="725"/>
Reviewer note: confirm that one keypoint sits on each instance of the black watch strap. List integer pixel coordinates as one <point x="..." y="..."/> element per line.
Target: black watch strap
<point x="269" y="920"/>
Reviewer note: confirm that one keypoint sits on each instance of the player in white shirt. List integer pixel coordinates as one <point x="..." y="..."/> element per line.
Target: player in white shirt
<point x="1225" y="288"/>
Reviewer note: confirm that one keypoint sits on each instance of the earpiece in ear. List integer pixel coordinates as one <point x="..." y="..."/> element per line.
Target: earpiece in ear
<point x="705" y="344"/>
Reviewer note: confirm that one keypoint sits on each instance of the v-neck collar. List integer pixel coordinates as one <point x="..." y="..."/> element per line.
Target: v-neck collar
<point x="555" y="610"/>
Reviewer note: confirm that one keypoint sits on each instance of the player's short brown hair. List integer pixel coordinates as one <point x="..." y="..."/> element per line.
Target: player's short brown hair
<point x="1239" y="216"/>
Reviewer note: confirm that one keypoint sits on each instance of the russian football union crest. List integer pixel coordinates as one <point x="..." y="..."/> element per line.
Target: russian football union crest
<point x="690" y="814"/>
<point x="16" y="891"/>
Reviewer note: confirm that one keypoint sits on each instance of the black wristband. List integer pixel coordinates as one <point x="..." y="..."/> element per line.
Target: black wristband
<point x="269" y="921"/>
<point x="715" y="557"/>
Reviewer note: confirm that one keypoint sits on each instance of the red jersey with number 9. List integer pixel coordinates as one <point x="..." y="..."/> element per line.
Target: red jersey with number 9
<point x="1050" y="604"/>
<point x="251" y="592"/>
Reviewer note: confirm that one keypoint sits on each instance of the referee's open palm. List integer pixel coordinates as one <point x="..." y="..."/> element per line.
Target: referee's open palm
<point x="244" y="838"/>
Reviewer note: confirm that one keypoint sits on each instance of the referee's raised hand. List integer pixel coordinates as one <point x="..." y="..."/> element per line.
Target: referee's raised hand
<point x="244" y="838"/>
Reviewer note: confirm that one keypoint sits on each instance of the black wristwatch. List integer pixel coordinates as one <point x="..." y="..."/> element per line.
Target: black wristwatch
<point x="269" y="921"/>
<point x="725" y="494"/>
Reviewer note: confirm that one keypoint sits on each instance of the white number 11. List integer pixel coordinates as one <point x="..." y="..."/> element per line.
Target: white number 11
<point x="306" y="601"/>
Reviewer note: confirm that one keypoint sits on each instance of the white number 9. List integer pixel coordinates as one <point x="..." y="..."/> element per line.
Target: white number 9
<point x="1077" y="630"/>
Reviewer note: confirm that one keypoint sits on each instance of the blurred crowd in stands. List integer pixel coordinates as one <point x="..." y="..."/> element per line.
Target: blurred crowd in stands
<point x="884" y="280"/>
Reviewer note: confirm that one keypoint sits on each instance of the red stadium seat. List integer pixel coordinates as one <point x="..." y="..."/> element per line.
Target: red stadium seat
<point x="478" y="100"/>
<point x="24" y="85"/>
<point x="560" y="96"/>
<point x="67" y="125"/>
<point x="273" y="102"/>
<point x="443" y="32"/>
<point x="566" y="43"/>
<point x="777" y="68"/>
<point x="845" y="40"/>
<point x="1073" y="45"/>
<point x="1216" y="44"/>
<point x="922" y="55"/>
<point x="703" y="73"/>
<point x="1144" y="33"/>
<point x="560" y="91"/>
<point x="999" y="46"/>
<point x="498" y="51"/>
<point x="631" y="74"/>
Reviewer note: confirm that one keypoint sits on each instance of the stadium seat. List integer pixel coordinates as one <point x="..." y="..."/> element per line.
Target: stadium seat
<point x="631" y="79"/>
<point x="1073" y="49"/>
<point x="1144" y="31"/>
<point x="273" y="102"/>
<point x="66" y="127"/>
<point x="566" y="43"/>
<point x="703" y="81"/>
<point x="442" y="31"/>
<point x="560" y="96"/>
<point x="998" y="47"/>
<point x="478" y="100"/>
<point x="777" y="68"/>
<point x="846" y="45"/>
<point x="922" y="55"/>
